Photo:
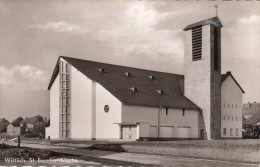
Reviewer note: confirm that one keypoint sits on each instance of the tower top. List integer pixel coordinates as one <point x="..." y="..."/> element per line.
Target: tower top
<point x="214" y="21"/>
<point x="216" y="6"/>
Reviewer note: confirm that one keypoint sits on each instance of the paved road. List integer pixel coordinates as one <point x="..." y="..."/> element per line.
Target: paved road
<point x="159" y="160"/>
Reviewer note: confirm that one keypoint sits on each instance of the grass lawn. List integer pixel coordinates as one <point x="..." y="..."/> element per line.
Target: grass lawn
<point x="237" y="150"/>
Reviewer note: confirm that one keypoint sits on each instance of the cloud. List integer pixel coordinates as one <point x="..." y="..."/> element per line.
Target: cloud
<point x="137" y="33"/>
<point x="245" y="36"/>
<point x="23" y="78"/>
<point x="60" y="26"/>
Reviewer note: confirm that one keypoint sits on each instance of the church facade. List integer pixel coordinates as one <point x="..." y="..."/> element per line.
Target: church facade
<point x="92" y="100"/>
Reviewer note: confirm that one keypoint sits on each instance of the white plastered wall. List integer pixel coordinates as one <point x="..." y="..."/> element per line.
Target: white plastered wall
<point x="106" y="127"/>
<point x="53" y="129"/>
<point x="174" y="118"/>
<point x="231" y="94"/>
<point x="81" y="101"/>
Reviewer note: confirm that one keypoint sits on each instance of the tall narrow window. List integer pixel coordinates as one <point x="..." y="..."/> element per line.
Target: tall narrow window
<point x="216" y="48"/>
<point x="231" y="132"/>
<point x="65" y="92"/>
<point x="224" y="131"/>
<point x="183" y="112"/>
<point x="236" y="132"/>
<point x="196" y="43"/>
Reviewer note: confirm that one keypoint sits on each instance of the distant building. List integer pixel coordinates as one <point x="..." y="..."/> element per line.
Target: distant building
<point x="17" y="121"/>
<point x="15" y="129"/>
<point x="250" y="109"/>
<point x="34" y="124"/>
<point x="231" y="107"/>
<point x="92" y="100"/>
<point x="254" y="120"/>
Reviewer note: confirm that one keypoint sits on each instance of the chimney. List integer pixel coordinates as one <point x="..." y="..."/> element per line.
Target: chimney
<point x="228" y="72"/>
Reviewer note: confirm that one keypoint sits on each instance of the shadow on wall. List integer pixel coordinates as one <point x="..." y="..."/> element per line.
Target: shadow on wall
<point x="107" y="147"/>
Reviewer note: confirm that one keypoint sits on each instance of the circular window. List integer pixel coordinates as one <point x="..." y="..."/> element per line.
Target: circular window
<point x="106" y="108"/>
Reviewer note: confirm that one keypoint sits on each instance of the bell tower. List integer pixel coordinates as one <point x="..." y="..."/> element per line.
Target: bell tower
<point x="202" y="83"/>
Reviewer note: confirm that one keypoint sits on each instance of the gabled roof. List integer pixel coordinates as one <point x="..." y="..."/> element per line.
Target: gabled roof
<point x="224" y="77"/>
<point x="113" y="79"/>
<point x="3" y="120"/>
<point x="214" y="21"/>
<point x="14" y="124"/>
<point x="253" y="120"/>
<point x="251" y="108"/>
<point x="17" y="121"/>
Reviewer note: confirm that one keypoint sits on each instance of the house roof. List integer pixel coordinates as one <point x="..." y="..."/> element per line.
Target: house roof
<point x="115" y="80"/>
<point x="3" y="120"/>
<point x="14" y="124"/>
<point x="214" y="21"/>
<point x="17" y="121"/>
<point x="251" y="108"/>
<point x="224" y="77"/>
<point x="253" y="120"/>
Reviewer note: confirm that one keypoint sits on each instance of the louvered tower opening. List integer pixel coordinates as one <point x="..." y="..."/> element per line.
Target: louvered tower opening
<point x="216" y="48"/>
<point x="196" y="43"/>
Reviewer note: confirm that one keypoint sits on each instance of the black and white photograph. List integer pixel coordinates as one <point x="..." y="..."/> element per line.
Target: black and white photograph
<point x="151" y="83"/>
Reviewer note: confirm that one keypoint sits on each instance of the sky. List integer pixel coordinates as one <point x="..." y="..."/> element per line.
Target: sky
<point x="141" y="34"/>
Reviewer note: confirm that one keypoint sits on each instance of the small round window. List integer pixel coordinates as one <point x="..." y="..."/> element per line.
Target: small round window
<point x="106" y="108"/>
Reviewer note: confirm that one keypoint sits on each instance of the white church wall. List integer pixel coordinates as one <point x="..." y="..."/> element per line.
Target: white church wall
<point x="143" y="129"/>
<point x="81" y="101"/>
<point x="174" y="118"/>
<point x="53" y="129"/>
<point x="231" y="108"/>
<point x="105" y="121"/>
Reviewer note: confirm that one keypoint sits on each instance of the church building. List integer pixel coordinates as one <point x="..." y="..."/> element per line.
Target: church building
<point x="98" y="101"/>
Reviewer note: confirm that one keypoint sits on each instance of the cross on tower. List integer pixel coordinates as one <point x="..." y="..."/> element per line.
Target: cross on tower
<point x="216" y="6"/>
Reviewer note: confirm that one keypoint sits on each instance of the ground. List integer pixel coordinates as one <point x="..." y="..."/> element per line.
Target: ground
<point x="159" y="153"/>
<point x="30" y="156"/>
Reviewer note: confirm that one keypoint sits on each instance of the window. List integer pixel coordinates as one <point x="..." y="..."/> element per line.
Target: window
<point x="228" y="117"/>
<point x="67" y="68"/>
<point x="236" y="132"/>
<point x="64" y="99"/>
<point x="225" y="131"/>
<point x="231" y="132"/>
<point x="196" y="43"/>
<point x="236" y="106"/>
<point x="228" y="105"/>
<point x="166" y="110"/>
<point x="232" y="118"/>
<point x="236" y="118"/>
<point x="183" y="112"/>
<point x="216" y="48"/>
<point x="232" y="105"/>
<point x="224" y="105"/>
<point x="224" y="117"/>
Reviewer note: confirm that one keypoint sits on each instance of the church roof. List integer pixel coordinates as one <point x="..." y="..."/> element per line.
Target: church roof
<point x="133" y="86"/>
<point x="224" y="77"/>
<point x="214" y="21"/>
